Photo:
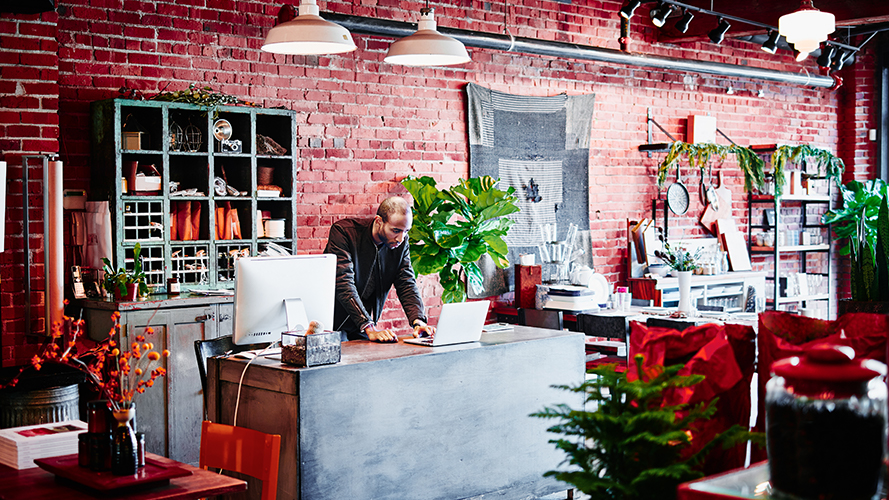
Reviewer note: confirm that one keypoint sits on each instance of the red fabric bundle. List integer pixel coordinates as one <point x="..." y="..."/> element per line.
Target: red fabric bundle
<point x="782" y="335"/>
<point x="724" y="354"/>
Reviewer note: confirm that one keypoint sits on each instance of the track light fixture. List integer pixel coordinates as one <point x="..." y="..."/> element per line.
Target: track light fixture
<point x="771" y="43"/>
<point x="717" y="34"/>
<point x="630" y="8"/>
<point x="799" y="28"/>
<point x="827" y="52"/>
<point x="682" y="24"/>
<point x="839" y="61"/>
<point x="659" y="16"/>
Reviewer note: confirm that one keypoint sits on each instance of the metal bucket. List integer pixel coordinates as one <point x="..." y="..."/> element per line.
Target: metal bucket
<point x="39" y="406"/>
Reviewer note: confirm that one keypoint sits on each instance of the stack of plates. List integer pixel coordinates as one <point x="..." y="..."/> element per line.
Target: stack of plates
<point x="19" y="446"/>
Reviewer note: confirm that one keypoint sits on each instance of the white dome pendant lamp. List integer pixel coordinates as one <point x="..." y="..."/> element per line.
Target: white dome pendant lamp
<point x="427" y="47"/>
<point x="807" y="27"/>
<point x="308" y="34"/>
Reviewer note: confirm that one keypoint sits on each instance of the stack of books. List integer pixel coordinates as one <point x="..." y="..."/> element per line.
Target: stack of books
<point x="20" y="446"/>
<point x="571" y="298"/>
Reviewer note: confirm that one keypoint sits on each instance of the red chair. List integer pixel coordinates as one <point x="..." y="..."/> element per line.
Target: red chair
<point x="242" y="450"/>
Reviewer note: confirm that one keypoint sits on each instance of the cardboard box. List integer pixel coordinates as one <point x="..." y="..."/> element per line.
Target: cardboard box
<point x="147" y="183"/>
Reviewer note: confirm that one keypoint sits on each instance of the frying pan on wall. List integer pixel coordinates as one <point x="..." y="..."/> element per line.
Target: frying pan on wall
<point x="677" y="195"/>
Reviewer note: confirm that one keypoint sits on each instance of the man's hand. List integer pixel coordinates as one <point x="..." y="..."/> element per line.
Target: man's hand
<point x="380" y="335"/>
<point x="423" y="330"/>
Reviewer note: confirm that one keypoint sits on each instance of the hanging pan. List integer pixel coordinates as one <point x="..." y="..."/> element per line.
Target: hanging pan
<point x="677" y="195"/>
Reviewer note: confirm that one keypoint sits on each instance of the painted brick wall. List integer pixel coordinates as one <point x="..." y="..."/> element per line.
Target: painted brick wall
<point x="364" y="125"/>
<point x="29" y="124"/>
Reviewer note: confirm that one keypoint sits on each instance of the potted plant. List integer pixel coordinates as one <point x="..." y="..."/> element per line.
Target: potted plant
<point x="123" y="284"/>
<point x="626" y="443"/>
<point x="453" y="228"/>
<point x="863" y="220"/>
<point x="684" y="263"/>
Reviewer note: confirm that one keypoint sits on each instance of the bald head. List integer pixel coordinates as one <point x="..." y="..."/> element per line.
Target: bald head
<point x="393" y="205"/>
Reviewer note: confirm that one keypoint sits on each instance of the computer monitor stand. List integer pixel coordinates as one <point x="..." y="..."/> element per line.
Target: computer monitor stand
<point x="297" y="320"/>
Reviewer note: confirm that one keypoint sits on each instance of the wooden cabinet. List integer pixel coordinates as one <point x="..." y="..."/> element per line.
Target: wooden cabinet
<point x="184" y="215"/>
<point x="170" y="413"/>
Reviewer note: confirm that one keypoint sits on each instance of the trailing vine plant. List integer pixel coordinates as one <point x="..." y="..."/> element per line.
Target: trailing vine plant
<point x="699" y="155"/>
<point x="797" y="154"/>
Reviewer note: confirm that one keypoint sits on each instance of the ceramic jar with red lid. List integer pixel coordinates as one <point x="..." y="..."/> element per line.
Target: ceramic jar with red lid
<point x="826" y="425"/>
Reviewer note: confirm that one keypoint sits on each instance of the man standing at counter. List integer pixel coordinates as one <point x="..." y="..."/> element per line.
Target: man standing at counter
<point x="373" y="255"/>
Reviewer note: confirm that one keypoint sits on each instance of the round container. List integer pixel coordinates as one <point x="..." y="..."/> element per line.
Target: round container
<point x="826" y="425"/>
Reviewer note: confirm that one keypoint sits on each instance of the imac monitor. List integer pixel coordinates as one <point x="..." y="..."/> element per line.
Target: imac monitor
<point x="274" y="295"/>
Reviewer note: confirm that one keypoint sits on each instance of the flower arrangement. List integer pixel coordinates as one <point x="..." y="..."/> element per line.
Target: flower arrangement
<point x="679" y="258"/>
<point x="118" y="375"/>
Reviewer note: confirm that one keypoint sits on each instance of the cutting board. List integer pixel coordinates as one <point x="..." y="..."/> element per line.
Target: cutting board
<point x="737" y="251"/>
<point x="711" y="215"/>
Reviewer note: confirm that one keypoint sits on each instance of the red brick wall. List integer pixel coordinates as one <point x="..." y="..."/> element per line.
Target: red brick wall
<point x="29" y="124"/>
<point x="364" y="125"/>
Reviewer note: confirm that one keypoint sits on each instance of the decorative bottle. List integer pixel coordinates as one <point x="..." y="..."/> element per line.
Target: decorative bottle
<point x="124" y="447"/>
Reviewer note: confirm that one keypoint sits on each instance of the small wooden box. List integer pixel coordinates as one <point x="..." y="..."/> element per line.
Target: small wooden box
<point x="132" y="140"/>
<point x="312" y="350"/>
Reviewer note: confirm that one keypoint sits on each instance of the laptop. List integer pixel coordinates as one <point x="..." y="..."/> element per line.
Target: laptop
<point x="458" y="323"/>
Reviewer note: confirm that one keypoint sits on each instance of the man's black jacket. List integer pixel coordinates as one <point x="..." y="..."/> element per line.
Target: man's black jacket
<point x="360" y="299"/>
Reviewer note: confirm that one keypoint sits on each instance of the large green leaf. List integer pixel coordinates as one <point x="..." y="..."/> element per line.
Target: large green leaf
<point x="457" y="226"/>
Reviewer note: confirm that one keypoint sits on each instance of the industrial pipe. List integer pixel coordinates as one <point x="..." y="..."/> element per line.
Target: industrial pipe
<point x="397" y="29"/>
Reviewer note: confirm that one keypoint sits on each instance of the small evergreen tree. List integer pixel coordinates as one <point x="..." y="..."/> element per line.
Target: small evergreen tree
<point x="629" y="444"/>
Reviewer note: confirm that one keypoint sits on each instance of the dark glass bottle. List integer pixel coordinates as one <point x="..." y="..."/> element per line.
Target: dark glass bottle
<point x="124" y="447"/>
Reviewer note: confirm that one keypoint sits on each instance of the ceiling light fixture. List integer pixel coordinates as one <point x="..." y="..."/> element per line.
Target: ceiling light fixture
<point x="827" y="52"/>
<point x="717" y="34"/>
<point x="682" y="24"/>
<point x="308" y="34"/>
<point x="798" y="55"/>
<point x="659" y="16"/>
<point x="842" y="56"/>
<point x="806" y="27"/>
<point x="630" y="8"/>
<point x="427" y="47"/>
<point x="771" y="43"/>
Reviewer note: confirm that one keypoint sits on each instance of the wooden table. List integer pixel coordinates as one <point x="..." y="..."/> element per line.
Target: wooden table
<point x="38" y="484"/>
<point x="400" y="421"/>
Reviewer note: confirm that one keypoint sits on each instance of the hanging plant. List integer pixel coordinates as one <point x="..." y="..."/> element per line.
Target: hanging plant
<point x="699" y="156"/>
<point x="834" y="166"/>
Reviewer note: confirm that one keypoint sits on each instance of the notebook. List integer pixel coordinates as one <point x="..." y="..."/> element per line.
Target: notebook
<point x="458" y="323"/>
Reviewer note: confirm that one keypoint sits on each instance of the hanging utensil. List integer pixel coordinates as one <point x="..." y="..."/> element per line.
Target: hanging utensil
<point x="677" y="195"/>
<point x="710" y="191"/>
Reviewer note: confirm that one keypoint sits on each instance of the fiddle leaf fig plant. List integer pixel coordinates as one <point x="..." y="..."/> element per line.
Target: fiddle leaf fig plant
<point x="453" y="228"/>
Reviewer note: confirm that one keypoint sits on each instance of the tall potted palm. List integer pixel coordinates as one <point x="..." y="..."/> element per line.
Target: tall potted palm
<point x="454" y="227"/>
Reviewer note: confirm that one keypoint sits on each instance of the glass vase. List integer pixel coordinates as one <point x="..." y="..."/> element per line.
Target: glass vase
<point x="124" y="447"/>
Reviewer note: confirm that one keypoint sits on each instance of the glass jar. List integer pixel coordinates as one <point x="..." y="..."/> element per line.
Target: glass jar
<point x="826" y="425"/>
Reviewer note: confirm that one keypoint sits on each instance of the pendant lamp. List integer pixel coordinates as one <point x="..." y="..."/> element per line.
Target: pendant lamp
<point x="807" y="27"/>
<point x="308" y="34"/>
<point x="427" y="47"/>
